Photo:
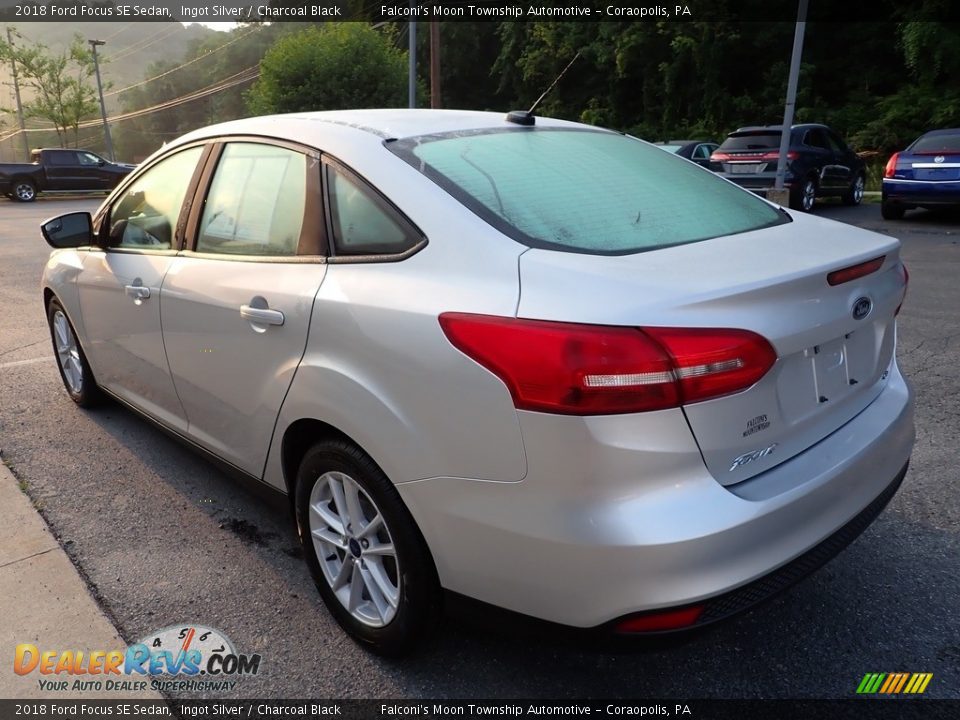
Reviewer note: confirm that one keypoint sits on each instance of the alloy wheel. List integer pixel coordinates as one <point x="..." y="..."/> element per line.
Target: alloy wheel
<point x="24" y="192"/>
<point x="355" y="549"/>
<point x="809" y="195"/>
<point x="858" y="190"/>
<point x="68" y="352"/>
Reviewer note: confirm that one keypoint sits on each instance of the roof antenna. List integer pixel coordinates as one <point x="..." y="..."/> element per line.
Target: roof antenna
<point x="526" y="117"/>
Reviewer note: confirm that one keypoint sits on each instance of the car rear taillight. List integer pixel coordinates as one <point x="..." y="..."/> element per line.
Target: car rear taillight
<point x="719" y="157"/>
<point x="891" y="167"/>
<point x="774" y="156"/>
<point x="574" y="369"/>
<point x="843" y="275"/>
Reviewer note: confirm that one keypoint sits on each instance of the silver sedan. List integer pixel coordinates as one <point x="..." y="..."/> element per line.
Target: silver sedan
<point x="537" y="363"/>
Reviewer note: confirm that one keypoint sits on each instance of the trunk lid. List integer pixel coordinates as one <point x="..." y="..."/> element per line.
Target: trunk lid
<point x="930" y="166"/>
<point x="832" y="361"/>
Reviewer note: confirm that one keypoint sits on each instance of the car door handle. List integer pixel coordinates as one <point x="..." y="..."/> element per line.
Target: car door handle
<point x="137" y="292"/>
<point x="261" y="315"/>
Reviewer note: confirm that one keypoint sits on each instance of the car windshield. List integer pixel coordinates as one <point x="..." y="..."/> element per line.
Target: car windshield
<point x="670" y="148"/>
<point x="751" y="140"/>
<point x="939" y="143"/>
<point x="584" y="191"/>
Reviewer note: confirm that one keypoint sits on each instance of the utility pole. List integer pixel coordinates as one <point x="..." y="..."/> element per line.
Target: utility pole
<point x="435" y="101"/>
<point x="412" y="56"/>
<point x="16" y="93"/>
<point x="103" y="108"/>
<point x="788" y="108"/>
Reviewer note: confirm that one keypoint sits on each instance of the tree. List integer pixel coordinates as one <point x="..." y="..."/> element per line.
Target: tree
<point x="335" y="66"/>
<point x="61" y="84"/>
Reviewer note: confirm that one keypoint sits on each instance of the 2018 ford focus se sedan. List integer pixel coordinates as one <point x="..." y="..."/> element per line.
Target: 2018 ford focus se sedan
<point x="536" y="363"/>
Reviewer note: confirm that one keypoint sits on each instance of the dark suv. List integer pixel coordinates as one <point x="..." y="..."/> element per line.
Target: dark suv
<point x="819" y="163"/>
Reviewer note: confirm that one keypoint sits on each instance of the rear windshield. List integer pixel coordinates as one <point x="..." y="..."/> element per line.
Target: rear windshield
<point x="753" y="140"/>
<point x="584" y="191"/>
<point x="946" y="143"/>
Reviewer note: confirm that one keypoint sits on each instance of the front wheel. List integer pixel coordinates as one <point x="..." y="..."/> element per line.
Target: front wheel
<point x="24" y="191"/>
<point x="854" y="194"/>
<point x="367" y="557"/>
<point x="74" y="370"/>
<point x="803" y="195"/>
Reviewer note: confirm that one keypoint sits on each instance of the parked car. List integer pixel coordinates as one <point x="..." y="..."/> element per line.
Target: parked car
<point x="925" y="175"/>
<point x="60" y="170"/>
<point x="697" y="150"/>
<point x="543" y="365"/>
<point x="819" y="163"/>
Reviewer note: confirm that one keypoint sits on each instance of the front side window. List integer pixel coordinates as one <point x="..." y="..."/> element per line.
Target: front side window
<point x="88" y="158"/>
<point x="146" y="215"/>
<point x="256" y="202"/>
<point x="585" y="191"/>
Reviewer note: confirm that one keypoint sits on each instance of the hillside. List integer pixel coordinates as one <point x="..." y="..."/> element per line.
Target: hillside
<point x="130" y="49"/>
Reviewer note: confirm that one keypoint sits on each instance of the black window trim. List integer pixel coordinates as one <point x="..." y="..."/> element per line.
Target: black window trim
<point x="205" y="184"/>
<point x="101" y="221"/>
<point x="382" y="201"/>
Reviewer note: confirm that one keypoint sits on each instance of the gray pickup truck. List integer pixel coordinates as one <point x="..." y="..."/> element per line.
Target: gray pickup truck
<point x="60" y="170"/>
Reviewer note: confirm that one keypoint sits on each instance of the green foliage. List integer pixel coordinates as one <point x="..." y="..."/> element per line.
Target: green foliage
<point x="331" y="67"/>
<point x="62" y="84"/>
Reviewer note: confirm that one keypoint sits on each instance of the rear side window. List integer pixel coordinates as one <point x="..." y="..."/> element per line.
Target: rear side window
<point x="256" y="202"/>
<point x="362" y="222"/>
<point x="61" y="157"/>
<point x="585" y="191"/>
<point x="751" y="140"/>
<point x="946" y="143"/>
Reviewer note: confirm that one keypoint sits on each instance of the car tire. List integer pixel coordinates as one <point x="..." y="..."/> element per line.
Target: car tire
<point x="75" y="371"/>
<point x="889" y="211"/>
<point x="803" y="195"/>
<point x="24" y="190"/>
<point x="854" y="195"/>
<point x="367" y="557"/>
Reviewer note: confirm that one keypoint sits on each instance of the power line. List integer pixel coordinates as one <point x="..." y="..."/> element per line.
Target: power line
<point x="179" y="67"/>
<point x="246" y="75"/>
<point x="162" y="34"/>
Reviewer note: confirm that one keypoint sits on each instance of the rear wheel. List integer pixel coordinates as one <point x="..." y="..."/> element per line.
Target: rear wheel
<point x="854" y="194"/>
<point x="74" y="370"/>
<point x="24" y="190"/>
<point x="803" y="195"/>
<point x="889" y="211"/>
<point x="367" y="557"/>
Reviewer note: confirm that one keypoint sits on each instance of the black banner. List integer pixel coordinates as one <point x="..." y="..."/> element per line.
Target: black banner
<point x="892" y="709"/>
<point x="465" y="11"/>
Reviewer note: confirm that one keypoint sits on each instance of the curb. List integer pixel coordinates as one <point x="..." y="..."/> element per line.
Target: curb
<point x="46" y="603"/>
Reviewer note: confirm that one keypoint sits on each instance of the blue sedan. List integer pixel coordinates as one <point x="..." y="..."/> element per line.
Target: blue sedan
<point x="925" y="175"/>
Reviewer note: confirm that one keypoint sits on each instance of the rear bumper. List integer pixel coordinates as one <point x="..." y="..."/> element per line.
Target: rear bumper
<point x="757" y="183"/>
<point x="613" y="520"/>
<point x="920" y="193"/>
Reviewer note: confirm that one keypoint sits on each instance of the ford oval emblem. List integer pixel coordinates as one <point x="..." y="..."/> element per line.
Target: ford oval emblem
<point x="939" y="159"/>
<point x="862" y="308"/>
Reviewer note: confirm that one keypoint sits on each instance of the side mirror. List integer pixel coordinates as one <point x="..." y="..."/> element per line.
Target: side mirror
<point x="101" y="163"/>
<point x="68" y="231"/>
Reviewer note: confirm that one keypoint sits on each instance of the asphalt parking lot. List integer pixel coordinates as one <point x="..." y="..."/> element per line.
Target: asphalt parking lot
<point x="163" y="538"/>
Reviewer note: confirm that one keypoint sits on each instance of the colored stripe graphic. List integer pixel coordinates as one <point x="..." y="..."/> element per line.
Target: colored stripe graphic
<point x="894" y="683"/>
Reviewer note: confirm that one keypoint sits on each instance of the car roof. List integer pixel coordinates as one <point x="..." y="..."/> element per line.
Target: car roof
<point x="942" y="131"/>
<point x="779" y="128"/>
<point x="377" y="125"/>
